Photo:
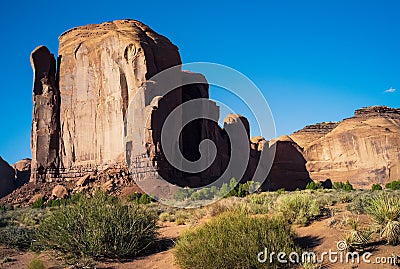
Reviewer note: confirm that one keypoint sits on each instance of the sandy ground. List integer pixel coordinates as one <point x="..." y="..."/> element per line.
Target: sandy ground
<point x="318" y="237"/>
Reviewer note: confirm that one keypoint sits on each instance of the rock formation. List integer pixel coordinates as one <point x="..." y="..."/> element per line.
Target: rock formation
<point x="7" y="178"/>
<point x="289" y="167"/>
<point x="310" y="133"/>
<point x="363" y="149"/>
<point x="45" y="118"/>
<point x="13" y="176"/>
<point x="99" y="110"/>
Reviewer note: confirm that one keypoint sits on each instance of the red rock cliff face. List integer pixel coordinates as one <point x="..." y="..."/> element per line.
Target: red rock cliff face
<point x="99" y="108"/>
<point x="364" y="149"/>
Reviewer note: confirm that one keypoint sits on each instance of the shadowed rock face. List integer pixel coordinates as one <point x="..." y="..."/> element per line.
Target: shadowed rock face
<point x="363" y="149"/>
<point x="289" y="167"/>
<point x="45" y="116"/>
<point x="7" y="178"/>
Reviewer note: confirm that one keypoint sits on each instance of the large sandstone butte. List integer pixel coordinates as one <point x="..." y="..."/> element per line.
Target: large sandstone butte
<point x="98" y="107"/>
<point x="363" y="149"/>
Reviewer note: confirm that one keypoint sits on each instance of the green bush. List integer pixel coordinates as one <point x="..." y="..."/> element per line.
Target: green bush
<point x="140" y="199"/>
<point x="16" y="237"/>
<point x="96" y="228"/>
<point x="347" y="186"/>
<point x="39" y="203"/>
<point x="313" y="186"/>
<point x="343" y="186"/>
<point x="385" y="211"/>
<point x="232" y="241"/>
<point x="376" y="187"/>
<point x="298" y="208"/>
<point x="394" y="185"/>
<point x="35" y="263"/>
<point x="281" y="191"/>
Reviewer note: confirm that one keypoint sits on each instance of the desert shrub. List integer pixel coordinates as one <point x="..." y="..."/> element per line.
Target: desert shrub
<point x="376" y="187"/>
<point x="183" y="194"/>
<point x="16" y="237"/>
<point x="385" y="211"/>
<point x="345" y="197"/>
<point x="347" y="186"/>
<point x="39" y="203"/>
<point x="233" y="240"/>
<point x="326" y="199"/>
<point x="180" y="221"/>
<point x="298" y="208"/>
<point x="58" y="202"/>
<point x="98" y="227"/>
<point x="343" y="186"/>
<point x="260" y="203"/>
<point x="394" y="185"/>
<point x="35" y="263"/>
<point x="140" y="198"/>
<point x="230" y="204"/>
<point x="281" y="191"/>
<point x="358" y="204"/>
<point x="167" y="216"/>
<point x="313" y="186"/>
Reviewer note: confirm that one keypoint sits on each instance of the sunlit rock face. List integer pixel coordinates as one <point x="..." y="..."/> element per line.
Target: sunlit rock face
<point x="103" y="68"/>
<point x="363" y="149"/>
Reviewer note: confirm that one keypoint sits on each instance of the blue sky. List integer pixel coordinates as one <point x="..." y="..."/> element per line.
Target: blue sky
<point x="313" y="60"/>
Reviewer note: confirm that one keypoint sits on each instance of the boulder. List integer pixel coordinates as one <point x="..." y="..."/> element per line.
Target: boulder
<point x="59" y="192"/>
<point x="83" y="181"/>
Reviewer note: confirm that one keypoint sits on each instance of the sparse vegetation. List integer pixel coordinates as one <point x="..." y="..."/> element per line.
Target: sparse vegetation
<point x="232" y="241"/>
<point x="226" y="190"/>
<point x="96" y="228"/>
